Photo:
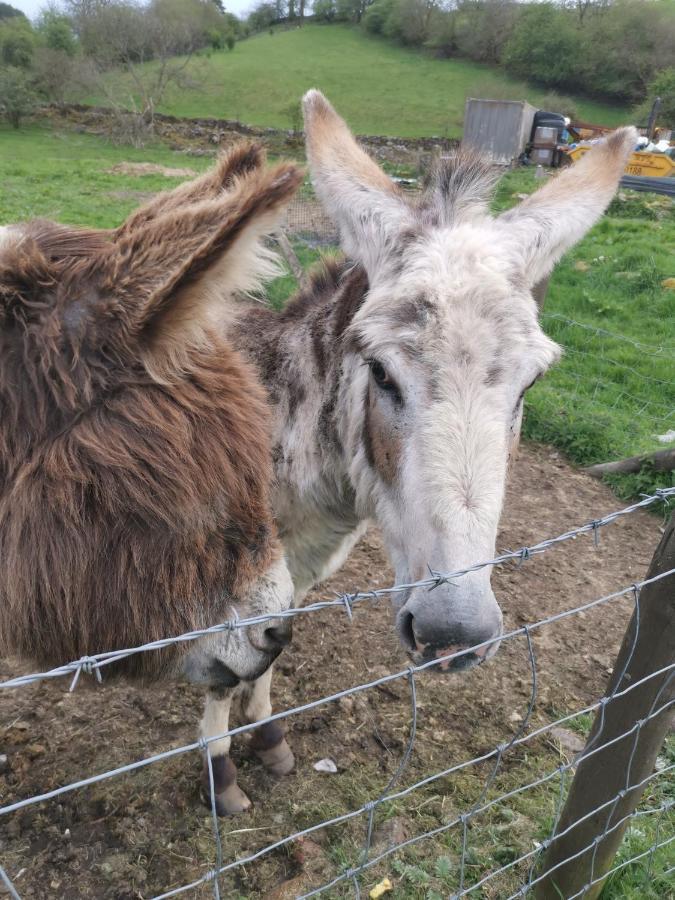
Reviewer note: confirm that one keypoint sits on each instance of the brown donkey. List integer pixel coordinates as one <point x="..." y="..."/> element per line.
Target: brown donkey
<point x="135" y="462"/>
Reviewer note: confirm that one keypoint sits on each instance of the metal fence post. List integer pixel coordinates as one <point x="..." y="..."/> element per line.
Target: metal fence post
<point x="608" y="776"/>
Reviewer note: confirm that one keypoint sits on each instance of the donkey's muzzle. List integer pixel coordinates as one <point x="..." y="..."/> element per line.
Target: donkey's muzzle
<point x="449" y="635"/>
<point x="271" y="637"/>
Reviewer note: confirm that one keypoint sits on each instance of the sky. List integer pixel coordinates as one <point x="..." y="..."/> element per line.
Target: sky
<point x="32" y="7"/>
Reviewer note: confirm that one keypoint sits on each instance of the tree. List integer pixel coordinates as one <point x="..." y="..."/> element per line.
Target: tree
<point x="262" y="17"/>
<point x="119" y="34"/>
<point x="324" y="10"/>
<point x="662" y="86"/>
<point x="377" y="15"/>
<point x="546" y="46"/>
<point x="17" y="99"/>
<point x="17" y="42"/>
<point x="484" y="27"/>
<point x="9" y="12"/>
<point x="409" y="21"/>
<point x="60" y="78"/>
<point x="56" y="31"/>
<point x="352" y="10"/>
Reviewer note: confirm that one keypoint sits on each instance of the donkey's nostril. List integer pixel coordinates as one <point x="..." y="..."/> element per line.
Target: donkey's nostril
<point x="278" y="636"/>
<point x="406" y="631"/>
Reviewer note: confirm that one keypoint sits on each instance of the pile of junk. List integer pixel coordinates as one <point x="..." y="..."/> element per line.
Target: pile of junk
<point x="511" y="131"/>
<point x="557" y="141"/>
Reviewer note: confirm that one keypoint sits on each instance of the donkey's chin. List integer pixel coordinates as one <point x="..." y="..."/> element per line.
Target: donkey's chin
<point x="221" y="671"/>
<point x="452" y="659"/>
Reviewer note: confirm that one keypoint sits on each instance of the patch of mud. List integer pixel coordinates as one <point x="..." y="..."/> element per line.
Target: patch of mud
<point x="138" y="169"/>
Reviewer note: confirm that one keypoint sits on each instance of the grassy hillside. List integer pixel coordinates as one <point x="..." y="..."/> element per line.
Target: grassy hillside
<point x="379" y="87"/>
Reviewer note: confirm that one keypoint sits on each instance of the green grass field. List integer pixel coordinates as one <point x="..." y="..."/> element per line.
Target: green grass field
<point x="609" y="396"/>
<point x="379" y="87"/>
<point x="613" y="393"/>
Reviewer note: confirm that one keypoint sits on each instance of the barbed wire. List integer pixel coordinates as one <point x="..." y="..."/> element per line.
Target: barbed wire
<point x="95" y="662"/>
<point x="493" y="759"/>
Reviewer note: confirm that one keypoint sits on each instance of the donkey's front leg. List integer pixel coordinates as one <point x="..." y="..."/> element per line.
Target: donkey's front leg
<point x="268" y="740"/>
<point x="229" y="797"/>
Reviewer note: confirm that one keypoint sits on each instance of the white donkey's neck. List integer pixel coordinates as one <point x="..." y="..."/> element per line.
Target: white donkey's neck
<point x="309" y="373"/>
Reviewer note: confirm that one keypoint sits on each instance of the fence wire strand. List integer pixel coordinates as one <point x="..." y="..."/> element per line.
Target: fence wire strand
<point x="494" y="758"/>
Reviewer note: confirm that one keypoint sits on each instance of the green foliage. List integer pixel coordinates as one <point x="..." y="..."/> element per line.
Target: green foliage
<point x="17" y="99"/>
<point x="662" y="86"/>
<point x="409" y="21"/>
<point x="546" y="46"/>
<point x="56" y="32"/>
<point x="262" y="17"/>
<point x="351" y="10"/>
<point x="560" y="103"/>
<point x="17" y="42"/>
<point x="9" y="12"/>
<point x="483" y="28"/>
<point x="293" y="113"/>
<point x="552" y="43"/>
<point x="377" y="16"/>
<point x="324" y="10"/>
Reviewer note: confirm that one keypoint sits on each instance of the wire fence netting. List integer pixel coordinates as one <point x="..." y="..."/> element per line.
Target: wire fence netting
<point x="501" y="776"/>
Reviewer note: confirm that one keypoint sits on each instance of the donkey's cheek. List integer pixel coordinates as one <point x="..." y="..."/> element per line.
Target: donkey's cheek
<point x="382" y="442"/>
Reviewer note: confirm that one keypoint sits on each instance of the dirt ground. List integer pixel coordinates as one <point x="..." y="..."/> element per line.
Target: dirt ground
<point x="135" y="836"/>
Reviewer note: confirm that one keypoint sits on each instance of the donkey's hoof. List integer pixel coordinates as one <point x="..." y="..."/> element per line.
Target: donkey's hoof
<point x="229" y="802"/>
<point x="278" y="760"/>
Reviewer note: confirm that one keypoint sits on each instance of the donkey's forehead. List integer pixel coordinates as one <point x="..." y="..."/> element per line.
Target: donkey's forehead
<point x="453" y="265"/>
<point x="449" y="281"/>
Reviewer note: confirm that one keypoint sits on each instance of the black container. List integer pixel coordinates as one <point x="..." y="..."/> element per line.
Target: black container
<point x="548" y="120"/>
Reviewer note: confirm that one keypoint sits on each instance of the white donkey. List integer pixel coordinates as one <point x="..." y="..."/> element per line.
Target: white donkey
<point x="397" y="378"/>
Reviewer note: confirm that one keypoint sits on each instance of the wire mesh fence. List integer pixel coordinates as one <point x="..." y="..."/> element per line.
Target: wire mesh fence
<point x="526" y="873"/>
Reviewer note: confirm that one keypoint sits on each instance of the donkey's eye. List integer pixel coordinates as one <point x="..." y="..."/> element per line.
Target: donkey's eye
<point x="523" y="392"/>
<point x="383" y="380"/>
<point x="381" y="376"/>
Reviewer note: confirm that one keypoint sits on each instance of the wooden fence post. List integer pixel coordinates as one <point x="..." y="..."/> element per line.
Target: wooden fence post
<point x="648" y="646"/>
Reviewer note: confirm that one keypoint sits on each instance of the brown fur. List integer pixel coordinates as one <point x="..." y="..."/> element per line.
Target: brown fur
<point x="243" y="159"/>
<point x="381" y="443"/>
<point x="131" y="507"/>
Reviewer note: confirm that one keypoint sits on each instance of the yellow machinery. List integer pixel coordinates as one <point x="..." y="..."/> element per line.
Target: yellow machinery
<point x="647" y="165"/>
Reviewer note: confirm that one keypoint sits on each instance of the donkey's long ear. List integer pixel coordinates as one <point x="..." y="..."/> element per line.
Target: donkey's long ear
<point x="365" y="203"/>
<point x="171" y="278"/>
<point x="244" y="158"/>
<point x="553" y="219"/>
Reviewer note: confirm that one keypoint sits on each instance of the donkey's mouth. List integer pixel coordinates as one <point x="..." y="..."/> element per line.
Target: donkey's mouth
<point x="450" y="659"/>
